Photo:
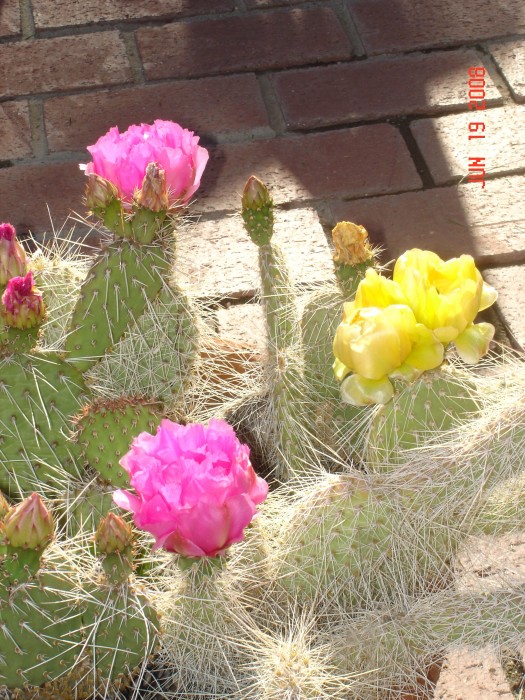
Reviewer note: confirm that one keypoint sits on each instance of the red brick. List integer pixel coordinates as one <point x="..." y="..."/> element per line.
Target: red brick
<point x="510" y="284"/>
<point x="401" y="25"/>
<point x="15" y="135"/>
<point x="446" y="147"/>
<point x="63" y="13"/>
<point x="27" y="190"/>
<point x="251" y="42"/>
<point x="63" y="63"/>
<point x="510" y="57"/>
<point x="9" y="18"/>
<point x="376" y="88"/>
<point x="355" y="162"/>
<point x="207" y="106"/>
<point x="489" y="224"/>
<point x="226" y="262"/>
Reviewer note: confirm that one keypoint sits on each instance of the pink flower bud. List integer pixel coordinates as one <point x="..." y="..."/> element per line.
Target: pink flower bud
<point x="113" y="535"/>
<point x="99" y="192"/>
<point x="255" y="194"/>
<point x="153" y="194"/>
<point x="29" y="525"/>
<point x="22" y="304"/>
<point x="13" y="262"/>
<point x="195" y="489"/>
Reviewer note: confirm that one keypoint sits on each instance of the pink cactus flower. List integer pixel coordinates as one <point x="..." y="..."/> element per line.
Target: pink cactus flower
<point x="13" y="262"/>
<point x="123" y="158"/>
<point x="22" y="304"/>
<point x="195" y="488"/>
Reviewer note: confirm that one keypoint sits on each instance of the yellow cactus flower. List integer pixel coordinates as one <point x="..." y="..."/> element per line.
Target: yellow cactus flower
<point x="445" y="296"/>
<point x="376" y="342"/>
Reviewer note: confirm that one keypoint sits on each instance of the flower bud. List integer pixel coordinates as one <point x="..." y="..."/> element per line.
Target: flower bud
<point x="29" y="525"/>
<point x="257" y="211"/>
<point x="153" y="195"/>
<point x="13" y="262"/>
<point x="4" y="506"/>
<point x="113" y="535"/>
<point x="99" y="192"/>
<point x="22" y="304"/>
<point x="351" y="244"/>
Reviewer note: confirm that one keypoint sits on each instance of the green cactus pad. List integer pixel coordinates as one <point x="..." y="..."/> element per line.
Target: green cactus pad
<point x="106" y="430"/>
<point x="122" y="632"/>
<point x="418" y="412"/>
<point x="340" y="523"/>
<point x="115" y="293"/>
<point x="164" y="345"/>
<point x="39" y="394"/>
<point x="259" y="223"/>
<point x="40" y="630"/>
<point x="351" y="539"/>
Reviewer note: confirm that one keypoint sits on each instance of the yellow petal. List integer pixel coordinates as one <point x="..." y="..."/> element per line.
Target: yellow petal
<point x="359" y="391"/>
<point x="425" y="356"/>
<point x="376" y="290"/>
<point x="488" y="296"/>
<point x="340" y="370"/>
<point x="474" y="342"/>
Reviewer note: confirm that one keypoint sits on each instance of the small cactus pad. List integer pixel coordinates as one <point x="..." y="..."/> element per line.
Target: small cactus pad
<point x="106" y="430"/>
<point x="418" y="411"/>
<point x="114" y="294"/>
<point x="39" y="394"/>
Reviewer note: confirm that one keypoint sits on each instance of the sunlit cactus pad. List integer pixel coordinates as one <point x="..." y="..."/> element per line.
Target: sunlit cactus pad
<point x="105" y="430"/>
<point x="115" y="293"/>
<point x="39" y="394"/>
<point x="420" y="410"/>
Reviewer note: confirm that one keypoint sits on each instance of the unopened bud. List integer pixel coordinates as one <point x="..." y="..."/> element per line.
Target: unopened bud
<point x="257" y="211"/>
<point x="113" y="535"/>
<point x="153" y="195"/>
<point x="29" y="525"/>
<point x="99" y="192"/>
<point x="4" y="506"/>
<point x="22" y="304"/>
<point x="13" y="262"/>
<point x="351" y="244"/>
